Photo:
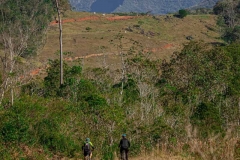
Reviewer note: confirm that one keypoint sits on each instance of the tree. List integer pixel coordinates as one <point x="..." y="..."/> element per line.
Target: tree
<point x="228" y="12"/>
<point x="22" y="26"/>
<point x="60" y="42"/>
<point x="204" y="80"/>
<point x="182" y="13"/>
<point x="20" y="23"/>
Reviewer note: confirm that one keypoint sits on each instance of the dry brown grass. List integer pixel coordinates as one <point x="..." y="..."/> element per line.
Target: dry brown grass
<point x="169" y="35"/>
<point x="214" y="148"/>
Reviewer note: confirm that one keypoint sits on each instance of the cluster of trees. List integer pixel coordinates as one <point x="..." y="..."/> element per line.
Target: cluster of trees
<point x="198" y="88"/>
<point x="229" y="16"/>
<point x="22" y="28"/>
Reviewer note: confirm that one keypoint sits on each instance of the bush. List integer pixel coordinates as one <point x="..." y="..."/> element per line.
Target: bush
<point x="208" y="119"/>
<point x="182" y="13"/>
<point x="52" y="86"/>
<point x="237" y="150"/>
<point x="140" y="22"/>
<point x="4" y="152"/>
<point x="88" y="28"/>
<point x="15" y="126"/>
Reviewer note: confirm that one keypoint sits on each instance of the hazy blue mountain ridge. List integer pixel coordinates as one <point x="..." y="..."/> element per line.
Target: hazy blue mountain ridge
<point x="105" y="6"/>
<point x="155" y="6"/>
<point x="82" y="5"/>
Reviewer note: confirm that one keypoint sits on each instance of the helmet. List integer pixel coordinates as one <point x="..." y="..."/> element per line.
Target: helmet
<point x="88" y="139"/>
<point x="124" y="135"/>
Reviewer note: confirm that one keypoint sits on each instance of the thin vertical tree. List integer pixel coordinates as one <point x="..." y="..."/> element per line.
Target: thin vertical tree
<point x="60" y="42"/>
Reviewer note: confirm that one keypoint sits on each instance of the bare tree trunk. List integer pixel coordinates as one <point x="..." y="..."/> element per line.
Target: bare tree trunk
<point x="60" y="42"/>
<point x="12" y="66"/>
<point x="12" y="96"/>
<point x="123" y="71"/>
<point x="9" y="64"/>
<point x="238" y="111"/>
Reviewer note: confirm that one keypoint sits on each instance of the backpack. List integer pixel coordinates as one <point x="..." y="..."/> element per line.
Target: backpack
<point x="86" y="147"/>
<point x="124" y="143"/>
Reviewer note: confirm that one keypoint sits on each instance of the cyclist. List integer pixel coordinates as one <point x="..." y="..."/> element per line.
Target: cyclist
<point x="124" y="146"/>
<point x="87" y="148"/>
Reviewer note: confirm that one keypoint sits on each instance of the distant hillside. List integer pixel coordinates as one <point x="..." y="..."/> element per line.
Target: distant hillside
<point x="155" y="6"/>
<point x="85" y="33"/>
<point x="205" y="4"/>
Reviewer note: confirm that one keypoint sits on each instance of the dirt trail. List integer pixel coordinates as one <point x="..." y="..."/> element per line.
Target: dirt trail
<point x="130" y="158"/>
<point x="164" y="157"/>
<point x="113" y="18"/>
<point x="158" y="158"/>
<point x="70" y="59"/>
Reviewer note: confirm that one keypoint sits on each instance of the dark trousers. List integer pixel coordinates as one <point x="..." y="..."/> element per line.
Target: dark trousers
<point x="126" y="151"/>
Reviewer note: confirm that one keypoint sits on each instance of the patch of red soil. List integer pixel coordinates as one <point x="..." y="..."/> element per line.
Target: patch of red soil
<point x="68" y="59"/>
<point x="167" y="46"/>
<point x="35" y="72"/>
<point x="63" y="21"/>
<point x="93" y="55"/>
<point x="68" y="20"/>
<point x="75" y="20"/>
<point x="93" y="18"/>
<point x="87" y="56"/>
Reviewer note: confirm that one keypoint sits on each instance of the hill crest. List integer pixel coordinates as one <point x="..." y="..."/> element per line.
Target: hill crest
<point x="142" y="6"/>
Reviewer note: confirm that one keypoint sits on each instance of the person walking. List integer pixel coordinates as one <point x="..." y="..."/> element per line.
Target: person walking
<point x="87" y="148"/>
<point x="124" y="146"/>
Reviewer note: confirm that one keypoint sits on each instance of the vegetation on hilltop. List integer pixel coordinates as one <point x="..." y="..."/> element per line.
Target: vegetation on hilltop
<point x="228" y="12"/>
<point x="182" y="13"/>
<point x="140" y="6"/>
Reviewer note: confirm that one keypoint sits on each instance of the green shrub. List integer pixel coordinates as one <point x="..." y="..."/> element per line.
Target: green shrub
<point x="48" y="131"/>
<point x="5" y="152"/>
<point x="140" y="22"/>
<point x="207" y="117"/>
<point x="135" y="148"/>
<point x="15" y="127"/>
<point x="88" y="28"/>
<point x="237" y="150"/>
<point x="182" y="13"/>
<point x="108" y="151"/>
<point x="52" y="86"/>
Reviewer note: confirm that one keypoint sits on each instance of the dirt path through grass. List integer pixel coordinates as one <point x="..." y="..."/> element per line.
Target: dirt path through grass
<point x="112" y="18"/>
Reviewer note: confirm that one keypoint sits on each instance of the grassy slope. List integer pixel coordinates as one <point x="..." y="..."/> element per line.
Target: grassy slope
<point x="170" y="34"/>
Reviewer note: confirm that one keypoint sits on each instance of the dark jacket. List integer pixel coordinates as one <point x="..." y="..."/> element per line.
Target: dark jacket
<point x="122" y="142"/>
